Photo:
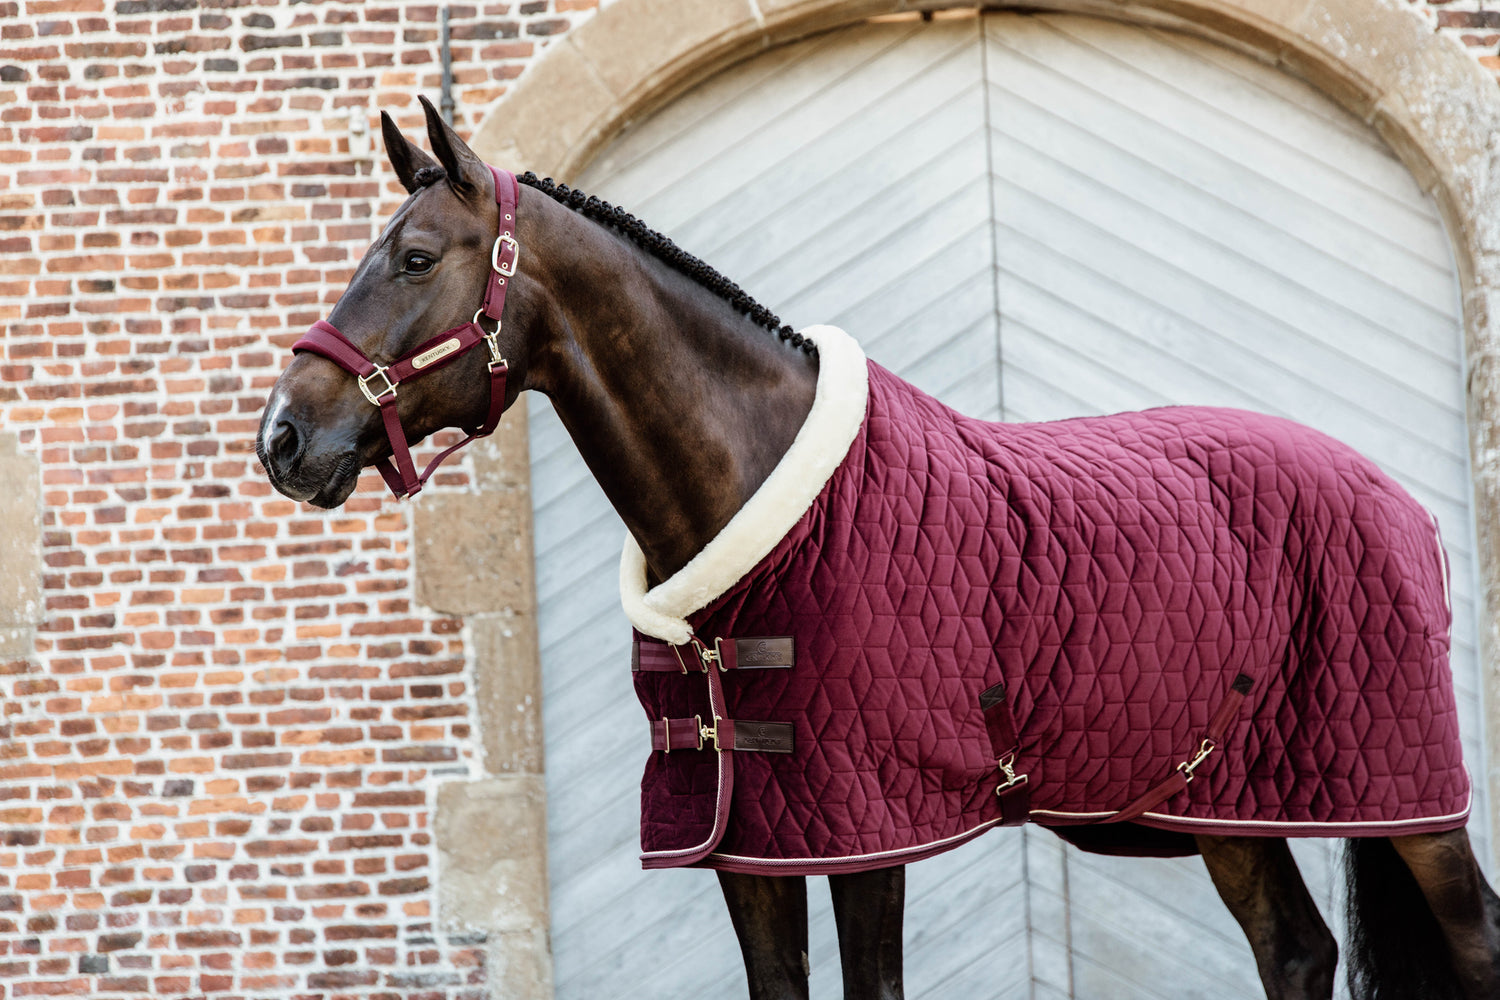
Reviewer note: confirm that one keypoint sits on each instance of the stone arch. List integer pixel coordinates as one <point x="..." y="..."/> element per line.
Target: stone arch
<point x="1429" y="99"/>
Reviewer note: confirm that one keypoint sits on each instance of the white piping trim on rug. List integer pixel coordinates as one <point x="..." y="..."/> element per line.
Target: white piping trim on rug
<point x="1291" y="825"/>
<point x="837" y="413"/>
<point x="715" y="833"/>
<point x="945" y="843"/>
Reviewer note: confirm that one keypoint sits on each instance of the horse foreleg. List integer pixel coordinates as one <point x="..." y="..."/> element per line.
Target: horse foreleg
<point x="1258" y="880"/>
<point x="770" y="919"/>
<point x="1466" y="908"/>
<point x="867" y="911"/>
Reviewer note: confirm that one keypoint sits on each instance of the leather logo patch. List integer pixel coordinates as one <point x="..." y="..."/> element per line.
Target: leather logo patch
<point x="437" y="353"/>
<point x="766" y="737"/>
<point x="772" y="651"/>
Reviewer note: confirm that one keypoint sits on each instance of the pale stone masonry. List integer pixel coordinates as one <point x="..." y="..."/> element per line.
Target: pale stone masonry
<point x="253" y="749"/>
<point x="1400" y="67"/>
<point x="20" y="549"/>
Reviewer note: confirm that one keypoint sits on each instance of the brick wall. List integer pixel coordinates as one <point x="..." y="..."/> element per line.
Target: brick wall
<point x="218" y="768"/>
<point x="1470" y="22"/>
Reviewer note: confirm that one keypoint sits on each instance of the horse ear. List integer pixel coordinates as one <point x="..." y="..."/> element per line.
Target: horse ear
<point x="405" y="157"/>
<point x="466" y="171"/>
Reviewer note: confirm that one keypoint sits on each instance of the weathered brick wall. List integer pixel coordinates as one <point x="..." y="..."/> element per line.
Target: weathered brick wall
<point x="218" y="768"/>
<point x="219" y="765"/>
<point x="1470" y="22"/>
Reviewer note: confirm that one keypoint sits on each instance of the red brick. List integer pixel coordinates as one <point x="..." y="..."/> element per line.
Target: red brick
<point x="207" y="939"/>
<point x="154" y="281"/>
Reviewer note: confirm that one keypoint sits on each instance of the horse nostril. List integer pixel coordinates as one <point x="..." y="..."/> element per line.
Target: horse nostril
<point x="286" y="445"/>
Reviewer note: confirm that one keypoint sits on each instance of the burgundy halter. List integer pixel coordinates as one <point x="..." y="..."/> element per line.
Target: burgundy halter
<point x="433" y="354"/>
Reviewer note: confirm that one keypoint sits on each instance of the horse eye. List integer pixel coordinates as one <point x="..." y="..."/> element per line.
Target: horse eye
<point x="418" y="263"/>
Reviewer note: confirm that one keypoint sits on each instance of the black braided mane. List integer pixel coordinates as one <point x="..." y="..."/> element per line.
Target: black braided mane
<point x="652" y="242"/>
<point x="669" y="253"/>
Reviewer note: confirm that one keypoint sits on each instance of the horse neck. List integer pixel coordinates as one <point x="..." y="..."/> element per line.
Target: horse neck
<point x="680" y="406"/>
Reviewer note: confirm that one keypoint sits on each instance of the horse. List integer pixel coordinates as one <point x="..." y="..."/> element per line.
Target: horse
<point x="683" y="395"/>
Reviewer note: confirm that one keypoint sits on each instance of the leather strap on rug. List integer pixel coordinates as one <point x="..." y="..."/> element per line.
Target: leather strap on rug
<point x="1213" y="738"/>
<point x="754" y="653"/>
<point x="1014" y="789"/>
<point x="721" y="734"/>
<point x="692" y="734"/>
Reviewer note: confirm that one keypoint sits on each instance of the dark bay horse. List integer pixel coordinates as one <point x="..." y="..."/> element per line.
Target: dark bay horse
<point x="682" y="394"/>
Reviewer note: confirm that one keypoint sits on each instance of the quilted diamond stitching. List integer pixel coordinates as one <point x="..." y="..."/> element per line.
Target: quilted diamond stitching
<point x="1116" y="573"/>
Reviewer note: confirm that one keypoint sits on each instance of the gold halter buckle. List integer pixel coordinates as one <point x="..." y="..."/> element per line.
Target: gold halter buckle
<point x="376" y="397"/>
<point x="497" y="359"/>
<point x="505" y="239"/>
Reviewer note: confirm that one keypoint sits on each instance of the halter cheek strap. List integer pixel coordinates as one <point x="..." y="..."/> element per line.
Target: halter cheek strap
<point x="379" y="382"/>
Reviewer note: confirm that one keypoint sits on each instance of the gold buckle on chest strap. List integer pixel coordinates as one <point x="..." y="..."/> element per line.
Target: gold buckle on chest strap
<point x="710" y="655"/>
<point x="666" y="728"/>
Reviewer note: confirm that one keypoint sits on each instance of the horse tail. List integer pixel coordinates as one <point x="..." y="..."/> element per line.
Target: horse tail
<point x="1395" y="948"/>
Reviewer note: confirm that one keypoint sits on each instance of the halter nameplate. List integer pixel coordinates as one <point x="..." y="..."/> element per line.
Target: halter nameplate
<point x="438" y="353"/>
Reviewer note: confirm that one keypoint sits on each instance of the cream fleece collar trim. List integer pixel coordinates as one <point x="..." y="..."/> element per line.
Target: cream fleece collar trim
<point x="837" y="413"/>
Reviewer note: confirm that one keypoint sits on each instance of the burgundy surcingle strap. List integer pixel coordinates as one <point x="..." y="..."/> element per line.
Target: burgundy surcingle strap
<point x="1214" y="735"/>
<point x="1005" y="740"/>
<point x="379" y="382"/>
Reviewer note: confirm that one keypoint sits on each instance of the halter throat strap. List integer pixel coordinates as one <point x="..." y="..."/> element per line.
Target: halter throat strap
<point x="378" y="382"/>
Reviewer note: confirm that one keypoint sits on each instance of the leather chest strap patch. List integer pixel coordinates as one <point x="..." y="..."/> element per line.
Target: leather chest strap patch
<point x="726" y="734"/>
<point x="763" y="737"/>
<point x="759" y="652"/>
<point x="772" y="652"/>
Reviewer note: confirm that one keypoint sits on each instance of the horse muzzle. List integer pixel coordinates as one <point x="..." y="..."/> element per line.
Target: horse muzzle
<point x="323" y="475"/>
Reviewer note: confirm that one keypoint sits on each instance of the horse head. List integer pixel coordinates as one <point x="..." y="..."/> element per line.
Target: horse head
<point x="659" y="367"/>
<point x="351" y="397"/>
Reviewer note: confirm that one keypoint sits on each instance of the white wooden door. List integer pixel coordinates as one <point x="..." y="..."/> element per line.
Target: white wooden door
<point x="1032" y="218"/>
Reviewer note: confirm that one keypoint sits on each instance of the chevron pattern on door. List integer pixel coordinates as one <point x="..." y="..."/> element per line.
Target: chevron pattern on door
<point x="1030" y="217"/>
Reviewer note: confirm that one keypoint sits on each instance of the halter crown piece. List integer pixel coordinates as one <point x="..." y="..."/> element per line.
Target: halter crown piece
<point x="379" y="382"/>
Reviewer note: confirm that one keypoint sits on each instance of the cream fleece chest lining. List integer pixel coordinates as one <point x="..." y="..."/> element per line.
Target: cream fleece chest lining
<point x="837" y="413"/>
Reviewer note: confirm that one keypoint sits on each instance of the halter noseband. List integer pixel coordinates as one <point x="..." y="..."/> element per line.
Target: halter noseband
<point x="379" y="382"/>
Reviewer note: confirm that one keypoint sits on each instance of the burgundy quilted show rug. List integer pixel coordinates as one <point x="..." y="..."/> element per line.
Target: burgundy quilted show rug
<point x="1130" y="629"/>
